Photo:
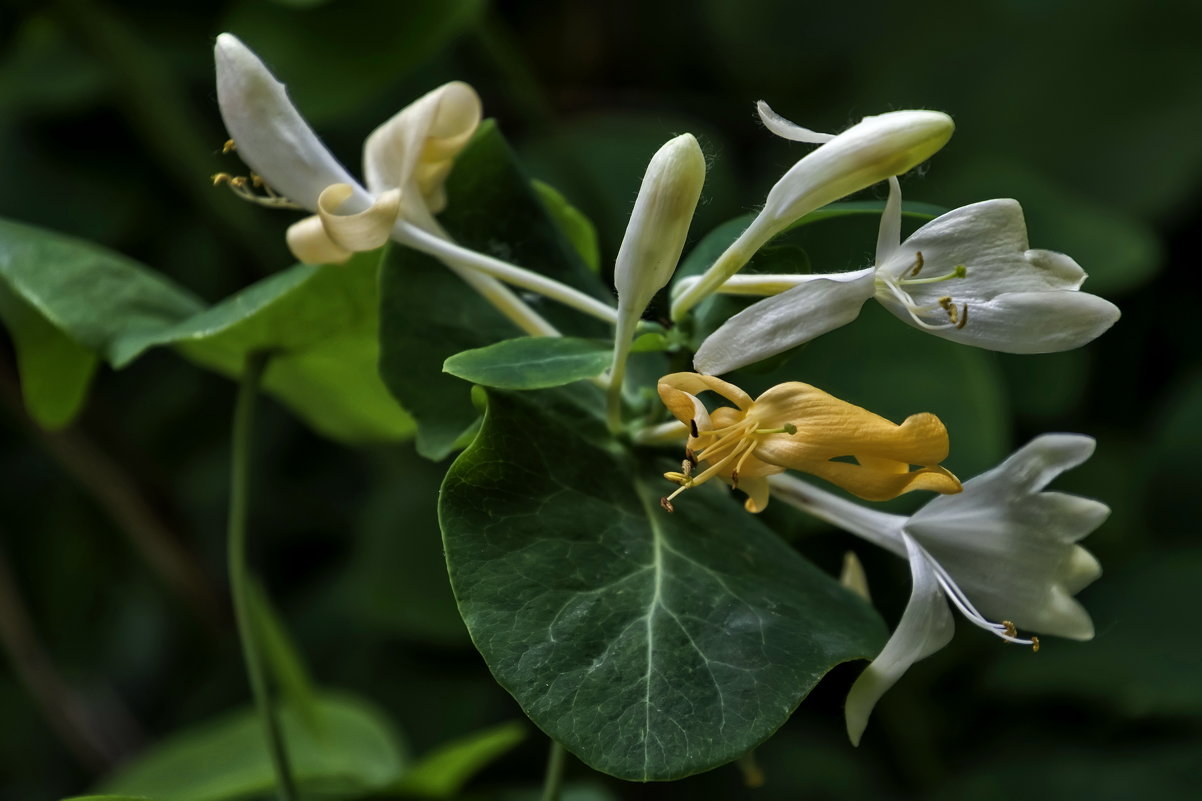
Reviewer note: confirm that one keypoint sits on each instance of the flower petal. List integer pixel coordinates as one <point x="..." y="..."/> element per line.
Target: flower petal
<point x="416" y="148"/>
<point x="757" y="490"/>
<point x="925" y="627"/>
<point x="311" y="244"/>
<point x="787" y="129"/>
<point x="990" y="239"/>
<point x="1011" y="547"/>
<point x="819" y="303"/>
<point x="1029" y="322"/>
<point x="695" y="384"/>
<point x="269" y="133"/>
<point x="873" y="484"/>
<point x="366" y="230"/>
<point x="828" y="427"/>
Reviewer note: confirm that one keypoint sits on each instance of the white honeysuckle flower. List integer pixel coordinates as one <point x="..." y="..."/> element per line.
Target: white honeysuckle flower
<point x="405" y="160"/>
<point x="1004" y="550"/>
<point x="405" y="163"/>
<point x="968" y="276"/>
<point x="873" y="150"/>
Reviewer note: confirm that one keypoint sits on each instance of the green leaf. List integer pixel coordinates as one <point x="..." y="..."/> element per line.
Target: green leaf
<point x="67" y="304"/>
<point x="652" y="645"/>
<point x="532" y="362"/>
<point x="443" y="772"/>
<point x="108" y="798"/>
<point x="321" y="325"/>
<point x="55" y="371"/>
<point x="429" y="314"/>
<point x="578" y="229"/>
<point x="355" y="751"/>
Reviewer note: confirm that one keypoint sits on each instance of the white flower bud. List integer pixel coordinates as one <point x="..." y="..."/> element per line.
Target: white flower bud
<point x="658" y="225"/>
<point x="870" y="151"/>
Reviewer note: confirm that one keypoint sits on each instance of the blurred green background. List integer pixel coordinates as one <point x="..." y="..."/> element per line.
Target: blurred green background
<point x="112" y="601"/>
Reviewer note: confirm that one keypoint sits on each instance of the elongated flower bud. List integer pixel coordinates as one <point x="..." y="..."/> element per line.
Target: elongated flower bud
<point x="873" y="150"/>
<point x="651" y="248"/>
<point x="870" y="151"/>
<point x="659" y="223"/>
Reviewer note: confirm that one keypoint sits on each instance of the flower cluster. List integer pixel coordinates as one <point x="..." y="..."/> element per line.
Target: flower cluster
<point x="999" y="548"/>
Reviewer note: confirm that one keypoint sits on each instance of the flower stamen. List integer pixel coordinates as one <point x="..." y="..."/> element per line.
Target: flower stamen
<point x="252" y="188"/>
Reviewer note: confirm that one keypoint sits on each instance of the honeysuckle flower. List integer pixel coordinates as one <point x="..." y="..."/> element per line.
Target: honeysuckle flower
<point x="654" y="239"/>
<point x="871" y="151"/>
<point x="1003" y="550"/>
<point x="405" y="160"/>
<point x="967" y="276"/>
<point x="405" y="163"/>
<point x="799" y="427"/>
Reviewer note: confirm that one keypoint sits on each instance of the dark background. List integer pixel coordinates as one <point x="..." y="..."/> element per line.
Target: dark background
<point x="111" y="533"/>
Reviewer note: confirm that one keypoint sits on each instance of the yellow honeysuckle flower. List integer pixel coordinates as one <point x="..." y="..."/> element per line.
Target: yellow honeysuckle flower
<point x="799" y="427"/>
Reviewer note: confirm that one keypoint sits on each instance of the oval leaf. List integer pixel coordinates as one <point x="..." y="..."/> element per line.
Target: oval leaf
<point x="652" y="645"/>
<point x="532" y="362"/>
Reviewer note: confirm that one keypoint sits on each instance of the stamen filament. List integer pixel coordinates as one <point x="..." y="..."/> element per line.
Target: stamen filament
<point x="958" y="272"/>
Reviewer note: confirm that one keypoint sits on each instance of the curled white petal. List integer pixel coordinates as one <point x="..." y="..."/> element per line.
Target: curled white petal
<point x="271" y="136"/>
<point x="925" y="627"/>
<point x="309" y="242"/>
<point x="787" y="129"/>
<point x="360" y="231"/>
<point x="819" y="303"/>
<point x="416" y="148"/>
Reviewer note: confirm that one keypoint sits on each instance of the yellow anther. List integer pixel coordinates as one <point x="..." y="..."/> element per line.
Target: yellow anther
<point x="228" y="147"/>
<point x="950" y="308"/>
<point x="221" y="178"/>
<point x="1011" y="631"/>
<point x="918" y="262"/>
<point x="257" y="180"/>
<point x="963" y="316"/>
<point x="1034" y="645"/>
<point x="666" y="505"/>
<point x="686" y="467"/>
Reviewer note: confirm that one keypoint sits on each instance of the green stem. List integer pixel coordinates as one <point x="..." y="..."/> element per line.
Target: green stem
<point x="553" y="782"/>
<point x="244" y="415"/>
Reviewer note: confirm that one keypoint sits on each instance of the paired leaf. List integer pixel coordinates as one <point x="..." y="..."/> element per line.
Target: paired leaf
<point x="68" y="304"/>
<point x="353" y="751"/>
<point x="429" y="314"/>
<point x="532" y="362"/>
<point x="321" y="325"/>
<point x="443" y="772"/>
<point x="652" y="645"/>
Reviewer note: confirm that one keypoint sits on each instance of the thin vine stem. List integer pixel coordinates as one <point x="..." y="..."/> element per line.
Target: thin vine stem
<point x="243" y="428"/>
<point x="553" y="781"/>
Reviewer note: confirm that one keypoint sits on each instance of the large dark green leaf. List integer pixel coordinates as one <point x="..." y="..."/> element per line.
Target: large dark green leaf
<point x="532" y="362"/>
<point x="320" y="323"/>
<point x="68" y="304"/>
<point x="652" y="645"/>
<point x="353" y="751"/>
<point x="429" y="314"/>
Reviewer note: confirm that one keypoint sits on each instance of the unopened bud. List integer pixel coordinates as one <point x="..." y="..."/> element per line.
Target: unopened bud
<point x="873" y="150"/>
<point x="660" y="221"/>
